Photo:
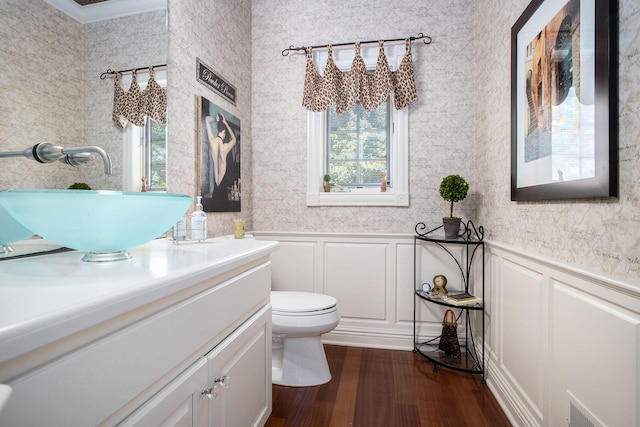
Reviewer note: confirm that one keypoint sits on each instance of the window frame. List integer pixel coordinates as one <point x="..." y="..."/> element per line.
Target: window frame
<point x="134" y="149"/>
<point x="396" y="195"/>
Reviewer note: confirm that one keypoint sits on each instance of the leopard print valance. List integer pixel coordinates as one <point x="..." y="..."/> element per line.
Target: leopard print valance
<point x="344" y="88"/>
<point x="133" y="105"/>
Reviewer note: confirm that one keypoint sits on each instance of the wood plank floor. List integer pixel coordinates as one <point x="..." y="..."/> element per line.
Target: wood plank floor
<point x="373" y="387"/>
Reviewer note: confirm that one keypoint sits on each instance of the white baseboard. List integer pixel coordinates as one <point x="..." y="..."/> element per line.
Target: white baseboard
<point x="363" y="338"/>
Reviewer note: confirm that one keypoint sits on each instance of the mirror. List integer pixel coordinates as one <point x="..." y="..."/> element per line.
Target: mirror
<point x="53" y="53"/>
<point x="51" y="89"/>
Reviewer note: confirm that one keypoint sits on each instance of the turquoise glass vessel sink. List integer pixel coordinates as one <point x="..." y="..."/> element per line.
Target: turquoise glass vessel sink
<point x="10" y="231"/>
<point x="102" y="223"/>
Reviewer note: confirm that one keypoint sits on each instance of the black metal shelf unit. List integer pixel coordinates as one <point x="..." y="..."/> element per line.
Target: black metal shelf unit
<point x="472" y="359"/>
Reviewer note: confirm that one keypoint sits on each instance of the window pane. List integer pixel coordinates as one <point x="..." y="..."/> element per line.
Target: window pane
<point x="344" y="146"/>
<point x="358" y="145"/>
<point x="344" y="173"/>
<point x="374" y="145"/>
<point x="156" y="158"/>
<point x="376" y="119"/>
<point x="338" y="122"/>
<point x="371" y="172"/>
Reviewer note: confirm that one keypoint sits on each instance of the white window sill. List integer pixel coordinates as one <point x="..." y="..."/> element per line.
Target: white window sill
<point x="357" y="198"/>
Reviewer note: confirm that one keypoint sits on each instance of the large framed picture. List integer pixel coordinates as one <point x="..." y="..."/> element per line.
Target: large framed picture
<point x="218" y="158"/>
<point x="564" y="100"/>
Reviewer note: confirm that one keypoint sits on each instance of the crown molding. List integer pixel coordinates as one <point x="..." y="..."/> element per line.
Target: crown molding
<point x="106" y="10"/>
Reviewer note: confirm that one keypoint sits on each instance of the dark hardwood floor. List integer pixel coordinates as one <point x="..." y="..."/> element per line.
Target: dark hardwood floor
<point x="373" y="387"/>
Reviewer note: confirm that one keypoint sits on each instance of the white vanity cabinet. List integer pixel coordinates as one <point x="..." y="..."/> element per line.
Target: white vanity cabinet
<point x="180" y="403"/>
<point x="240" y="375"/>
<point x="231" y="386"/>
<point x="197" y="352"/>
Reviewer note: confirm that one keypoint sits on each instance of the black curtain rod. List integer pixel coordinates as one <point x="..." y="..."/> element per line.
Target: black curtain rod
<point x="420" y="36"/>
<point x="110" y="72"/>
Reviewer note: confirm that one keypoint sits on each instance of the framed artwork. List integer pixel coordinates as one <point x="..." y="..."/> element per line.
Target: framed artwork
<point x="564" y="104"/>
<point x="218" y="158"/>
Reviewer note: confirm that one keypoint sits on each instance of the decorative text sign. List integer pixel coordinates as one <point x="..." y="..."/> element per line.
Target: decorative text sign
<point x="209" y="78"/>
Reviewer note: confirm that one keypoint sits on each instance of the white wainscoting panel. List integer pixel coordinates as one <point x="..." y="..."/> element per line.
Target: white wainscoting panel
<point x="521" y="332"/>
<point x="560" y="333"/>
<point x="371" y="276"/>
<point x="404" y="288"/>
<point x="296" y="261"/>
<point x="433" y="260"/>
<point x="594" y="349"/>
<point x="553" y="333"/>
<point x="356" y="274"/>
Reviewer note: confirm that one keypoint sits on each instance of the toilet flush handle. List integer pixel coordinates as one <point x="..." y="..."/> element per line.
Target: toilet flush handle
<point x="212" y="392"/>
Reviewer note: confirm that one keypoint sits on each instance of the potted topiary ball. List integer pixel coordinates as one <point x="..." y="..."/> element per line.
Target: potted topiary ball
<point x="327" y="182"/>
<point x="453" y="188"/>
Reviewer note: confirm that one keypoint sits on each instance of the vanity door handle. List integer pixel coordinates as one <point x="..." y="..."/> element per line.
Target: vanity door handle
<point x="212" y="392"/>
<point x="223" y="381"/>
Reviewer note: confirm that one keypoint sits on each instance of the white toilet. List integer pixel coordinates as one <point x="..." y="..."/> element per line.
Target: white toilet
<point x="299" y="320"/>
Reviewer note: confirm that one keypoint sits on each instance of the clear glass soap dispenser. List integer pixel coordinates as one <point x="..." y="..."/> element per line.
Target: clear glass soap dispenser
<point x="199" y="222"/>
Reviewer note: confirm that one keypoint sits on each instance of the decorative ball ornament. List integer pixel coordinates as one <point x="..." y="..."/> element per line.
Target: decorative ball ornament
<point x="439" y="285"/>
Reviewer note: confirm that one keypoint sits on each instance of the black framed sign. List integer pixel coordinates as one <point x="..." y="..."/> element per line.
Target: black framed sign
<point x="211" y="79"/>
<point x="564" y="101"/>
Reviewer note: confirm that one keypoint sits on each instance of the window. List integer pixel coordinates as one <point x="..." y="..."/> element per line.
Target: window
<point x="145" y="156"/>
<point x="145" y="147"/>
<point x="355" y="148"/>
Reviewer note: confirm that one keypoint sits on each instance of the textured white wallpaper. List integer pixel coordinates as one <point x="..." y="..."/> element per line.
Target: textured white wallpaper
<point x="441" y="121"/>
<point x="40" y="90"/>
<point x="598" y="235"/>
<point x="460" y="124"/>
<point x="219" y="33"/>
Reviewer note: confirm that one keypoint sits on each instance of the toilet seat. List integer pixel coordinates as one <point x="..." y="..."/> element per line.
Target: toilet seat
<point x="301" y="303"/>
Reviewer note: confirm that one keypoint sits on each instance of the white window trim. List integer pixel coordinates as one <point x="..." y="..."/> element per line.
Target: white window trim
<point x="133" y="164"/>
<point x="398" y="194"/>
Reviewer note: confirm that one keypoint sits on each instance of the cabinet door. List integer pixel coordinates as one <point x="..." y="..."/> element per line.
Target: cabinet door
<point x="240" y="373"/>
<point x="180" y="403"/>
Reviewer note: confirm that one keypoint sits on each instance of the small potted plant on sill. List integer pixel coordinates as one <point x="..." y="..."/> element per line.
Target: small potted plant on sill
<point x="453" y="188"/>
<point x="327" y="182"/>
<point x="79" y="186"/>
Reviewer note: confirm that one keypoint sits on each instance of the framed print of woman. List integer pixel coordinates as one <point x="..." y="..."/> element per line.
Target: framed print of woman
<point x="219" y="152"/>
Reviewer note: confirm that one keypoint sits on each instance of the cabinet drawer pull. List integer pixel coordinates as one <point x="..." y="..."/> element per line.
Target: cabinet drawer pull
<point x="223" y="381"/>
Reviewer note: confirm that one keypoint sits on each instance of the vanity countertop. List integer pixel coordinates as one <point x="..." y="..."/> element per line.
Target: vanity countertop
<point x="48" y="297"/>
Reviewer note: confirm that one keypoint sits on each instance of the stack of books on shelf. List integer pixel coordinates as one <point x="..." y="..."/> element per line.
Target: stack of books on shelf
<point x="463" y="298"/>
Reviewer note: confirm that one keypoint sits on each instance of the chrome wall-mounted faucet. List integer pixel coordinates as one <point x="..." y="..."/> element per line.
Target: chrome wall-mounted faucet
<point x="74" y="156"/>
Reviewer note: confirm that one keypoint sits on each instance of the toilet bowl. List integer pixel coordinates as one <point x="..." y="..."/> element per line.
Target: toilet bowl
<point x="298" y="321"/>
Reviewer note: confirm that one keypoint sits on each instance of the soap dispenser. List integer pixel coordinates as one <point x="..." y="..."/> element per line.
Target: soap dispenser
<point x="198" y="222"/>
